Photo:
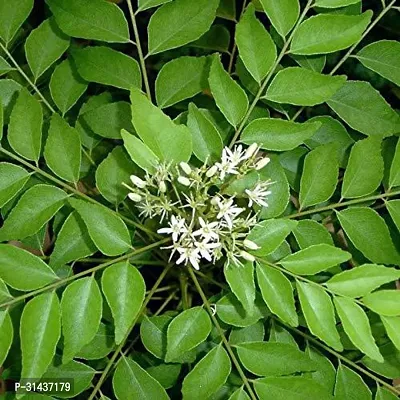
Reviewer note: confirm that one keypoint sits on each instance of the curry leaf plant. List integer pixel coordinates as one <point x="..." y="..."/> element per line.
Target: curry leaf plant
<point x="200" y="199"/>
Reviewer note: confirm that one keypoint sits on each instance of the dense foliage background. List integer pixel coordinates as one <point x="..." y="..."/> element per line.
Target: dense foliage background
<point x="85" y="291"/>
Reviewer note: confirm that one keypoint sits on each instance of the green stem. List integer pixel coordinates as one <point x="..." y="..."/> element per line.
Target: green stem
<point x="139" y="49"/>
<point x="72" y="189"/>
<point x="270" y="74"/>
<point x="351" y="49"/>
<point x="21" y="71"/>
<point x="343" y="204"/>
<point x="64" y="281"/>
<point x="121" y="345"/>
<point x="221" y="333"/>
<point x="338" y="355"/>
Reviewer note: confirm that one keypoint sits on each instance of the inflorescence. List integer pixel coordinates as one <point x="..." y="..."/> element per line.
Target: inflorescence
<point x="205" y="220"/>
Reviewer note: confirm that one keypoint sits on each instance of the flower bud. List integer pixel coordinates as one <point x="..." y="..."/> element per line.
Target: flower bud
<point x="185" y="168"/>
<point x="163" y="187"/>
<point x="214" y="201"/>
<point x="212" y="171"/>
<point x="137" y="181"/>
<point x="262" y="163"/>
<point x="247" y="256"/>
<point x="184" y="181"/>
<point x="135" y="197"/>
<point x="250" y="151"/>
<point x="250" y="244"/>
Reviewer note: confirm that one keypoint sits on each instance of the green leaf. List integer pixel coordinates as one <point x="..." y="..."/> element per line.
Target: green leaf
<point x="227" y="10"/>
<point x="6" y="334"/>
<point x="325" y="373"/>
<point x="252" y="333"/>
<point x="383" y="302"/>
<point x="314" y="63"/>
<point x="349" y="385"/>
<point x="4" y="293"/>
<point x="186" y="331"/>
<point x="278" y="134"/>
<point x="319" y="313"/>
<point x="12" y="17"/>
<point x="179" y="22"/>
<point x="269" y="358"/>
<point x="290" y="388"/>
<point x="250" y="32"/>
<point x="13" y="179"/>
<point x="364" y="171"/>
<point x="170" y="142"/>
<point x="309" y="232"/>
<point x="314" y="259"/>
<point x="392" y="326"/>
<point x="166" y="374"/>
<point x="81" y="374"/>
<point x="279" y="198"/>
<point x="385" y="394"/>
<point x="107" y="230"/>
<point x="277" y="293"/>
<point x="5" y="67"/>
<point x="25" y="220"/>
<point x="283" y="14"/>
<point x="369" y="234"/>
<point x="359" y="281"/>
<point x="239" y="394"/>
<point x="81" y="308"/>
<point x="101" y="345"/>
<point x="124" y="290"/>
<point x="40" y="330"/>
<point x="110" y="174"/>
<point x="303" y="87"/>
<point x="241" y="281"/>
<point x="356" y="325"/>
<point x="216" y="38"/>
<point x="153" y="333"/>
<point x="45" y="45"/>
<point x="25" y="128"/>
<point x="63" y="149"/>
<point x="109" y="119"/>
<point x="16" y="264"/>
<point x="130" y="381"/>
<point x="394" y="178"/>
<point x="334" y="3"/>
<point x="393" y="207"/>
<point x="364" y="109"/>
<point x="230" y="311"/>
<point x="383" y="58"/>
<point x="209" y="374"/>
<point x="230" y="98"/>
<point x="140" y="153"/>
<point x="73" y="242"/>
<point x="320" y="175"/>
<point x="95" y="19"/>
<point x="180" y="79"/>
<point x="9" y="90"/>
<point x="335" y="32"/>
<point x="146" y="4"/>
<point x="207" y="142"/>
<point x="270" y="234"/>
<point x="66" y="86"/>
<point x="104" y="65"/>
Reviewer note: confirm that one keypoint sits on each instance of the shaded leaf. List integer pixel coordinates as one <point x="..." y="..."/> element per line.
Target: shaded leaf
<point x="6" y="334"/>
<point x="383" y="302"/>
<point x="309" y="232"/>
<point x="12" y="180"/>
<point x="350" y="386"/>
<point x="12" y="17"/>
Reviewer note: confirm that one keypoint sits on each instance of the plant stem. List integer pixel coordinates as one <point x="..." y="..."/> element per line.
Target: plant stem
<point x="73" y="190"/>
<point x="270" y="74"/>
<point x="64" y="281"/>
<point x="121" y="345"/>
<point x="338" y="355"/>
<point x="343" y="204"/>
<point x="351" y="49"/>
<point x="221" y="333"/>
<point x="21" y="71"/>
<point x="139" y="49"/>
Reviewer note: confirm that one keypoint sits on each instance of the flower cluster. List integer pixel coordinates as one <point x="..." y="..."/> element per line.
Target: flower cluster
<point x="205" y="220"/>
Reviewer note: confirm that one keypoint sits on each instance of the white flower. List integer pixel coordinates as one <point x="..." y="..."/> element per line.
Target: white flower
<point x="259" y="194"/>
<point x="135" y="197"/>
<point x="190" y="254"/>
<point x="207" y="230"/>
<point x="162" y="187"/>
<point x="205" y="248"/>
<point x="234" y="157"/>
<point x="146" y="208"/>
<point x="226" y="167"/>
<point x="262" y="163"/>
<point x="228" y="211"/>
<point x="177" y="227"/>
